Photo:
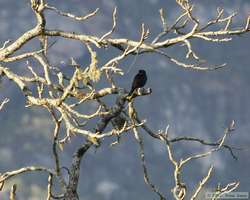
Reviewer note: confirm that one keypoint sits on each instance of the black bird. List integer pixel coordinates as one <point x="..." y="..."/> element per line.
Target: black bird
<point x="139" y="81"/>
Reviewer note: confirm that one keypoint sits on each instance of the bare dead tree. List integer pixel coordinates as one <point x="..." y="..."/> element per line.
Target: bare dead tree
<point x="54" y="94"/>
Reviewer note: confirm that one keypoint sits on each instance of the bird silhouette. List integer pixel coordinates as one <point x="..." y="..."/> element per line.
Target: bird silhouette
<point x="139" y="81"/>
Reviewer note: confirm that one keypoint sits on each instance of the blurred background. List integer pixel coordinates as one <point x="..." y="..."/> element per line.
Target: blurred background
<point x="193" y="103"/>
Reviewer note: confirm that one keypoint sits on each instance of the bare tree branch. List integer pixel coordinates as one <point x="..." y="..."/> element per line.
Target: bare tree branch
<point x="6" y="100"/>
<point x="202" y="183"/>
<point x="13" y="192"/>
<point x="65" y="14"/>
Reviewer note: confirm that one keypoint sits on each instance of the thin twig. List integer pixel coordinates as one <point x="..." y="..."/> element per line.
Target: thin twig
<point x="66" y="14"/>
<point x="6" y="100"/>
<point x="13" y="192"/>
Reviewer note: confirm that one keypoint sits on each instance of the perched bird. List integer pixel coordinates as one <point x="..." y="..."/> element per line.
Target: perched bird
<point x="139" y="81"/>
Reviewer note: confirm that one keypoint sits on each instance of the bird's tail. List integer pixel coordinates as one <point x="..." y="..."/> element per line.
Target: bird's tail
<point x="130" y="94"/>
